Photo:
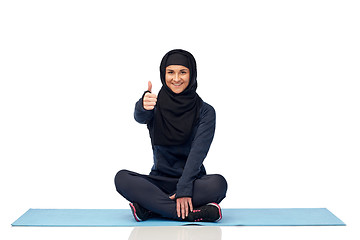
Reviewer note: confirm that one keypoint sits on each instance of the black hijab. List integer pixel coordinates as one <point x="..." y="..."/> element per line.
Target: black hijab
<point x="176" y="114"/>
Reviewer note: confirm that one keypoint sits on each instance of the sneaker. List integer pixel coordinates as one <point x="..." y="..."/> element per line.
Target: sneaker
<point x="210" y="212"/>
<point x="140" y="213"/>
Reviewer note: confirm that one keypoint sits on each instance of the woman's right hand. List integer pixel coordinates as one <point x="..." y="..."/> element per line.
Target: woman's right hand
<point x="149" y="100"/>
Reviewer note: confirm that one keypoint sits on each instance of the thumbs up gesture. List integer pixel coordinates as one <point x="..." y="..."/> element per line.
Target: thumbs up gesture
<point x="149" y="100"/>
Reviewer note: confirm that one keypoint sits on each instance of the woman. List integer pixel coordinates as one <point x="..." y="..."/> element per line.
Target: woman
<point x="181" y="128"/>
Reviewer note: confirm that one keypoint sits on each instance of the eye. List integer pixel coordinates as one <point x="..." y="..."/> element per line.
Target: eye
<point x="183" y="72"/>
<point x="170" y="72"/>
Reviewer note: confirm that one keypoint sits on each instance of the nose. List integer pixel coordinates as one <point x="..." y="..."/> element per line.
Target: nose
<point x="176" y="77"/>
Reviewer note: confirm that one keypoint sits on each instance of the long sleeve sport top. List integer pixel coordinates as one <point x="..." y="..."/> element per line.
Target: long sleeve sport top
<point x="181" y="161"/>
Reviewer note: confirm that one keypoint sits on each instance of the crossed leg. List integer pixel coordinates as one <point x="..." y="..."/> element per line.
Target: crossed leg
<point x="152" y="192"/>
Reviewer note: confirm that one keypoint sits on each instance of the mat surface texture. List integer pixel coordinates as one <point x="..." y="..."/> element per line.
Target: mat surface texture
<point x="124" y="218"/>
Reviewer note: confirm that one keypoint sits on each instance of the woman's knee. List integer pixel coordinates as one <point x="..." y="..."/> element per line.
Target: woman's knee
<point x="121" y="179"/>
<point x="219" y="184"/>
<point x="210" y="188"/>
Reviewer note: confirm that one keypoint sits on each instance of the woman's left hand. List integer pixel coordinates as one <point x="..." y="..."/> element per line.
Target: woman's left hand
<point x="183" y="205"/>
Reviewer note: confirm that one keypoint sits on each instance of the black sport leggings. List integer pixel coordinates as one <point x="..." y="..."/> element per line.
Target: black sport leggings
<point x="152" y="192"/>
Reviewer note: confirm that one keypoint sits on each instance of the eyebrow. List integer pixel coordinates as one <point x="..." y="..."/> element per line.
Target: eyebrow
<point x="183" y="69"/>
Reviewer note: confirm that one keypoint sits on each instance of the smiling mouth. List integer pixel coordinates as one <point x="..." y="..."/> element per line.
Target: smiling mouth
<point x="177" y="84"/>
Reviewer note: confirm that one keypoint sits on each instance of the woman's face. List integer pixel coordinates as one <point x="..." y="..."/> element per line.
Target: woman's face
<point x="177" y="78"/>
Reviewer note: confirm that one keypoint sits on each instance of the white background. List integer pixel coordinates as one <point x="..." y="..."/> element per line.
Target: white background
<point x="283" y="77"/>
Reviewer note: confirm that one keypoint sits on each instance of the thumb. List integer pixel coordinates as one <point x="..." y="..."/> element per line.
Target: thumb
<point x="149" y="86"/>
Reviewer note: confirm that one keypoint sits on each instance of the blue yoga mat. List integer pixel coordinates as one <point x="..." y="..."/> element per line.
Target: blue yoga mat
<point x="124" y="218"/>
